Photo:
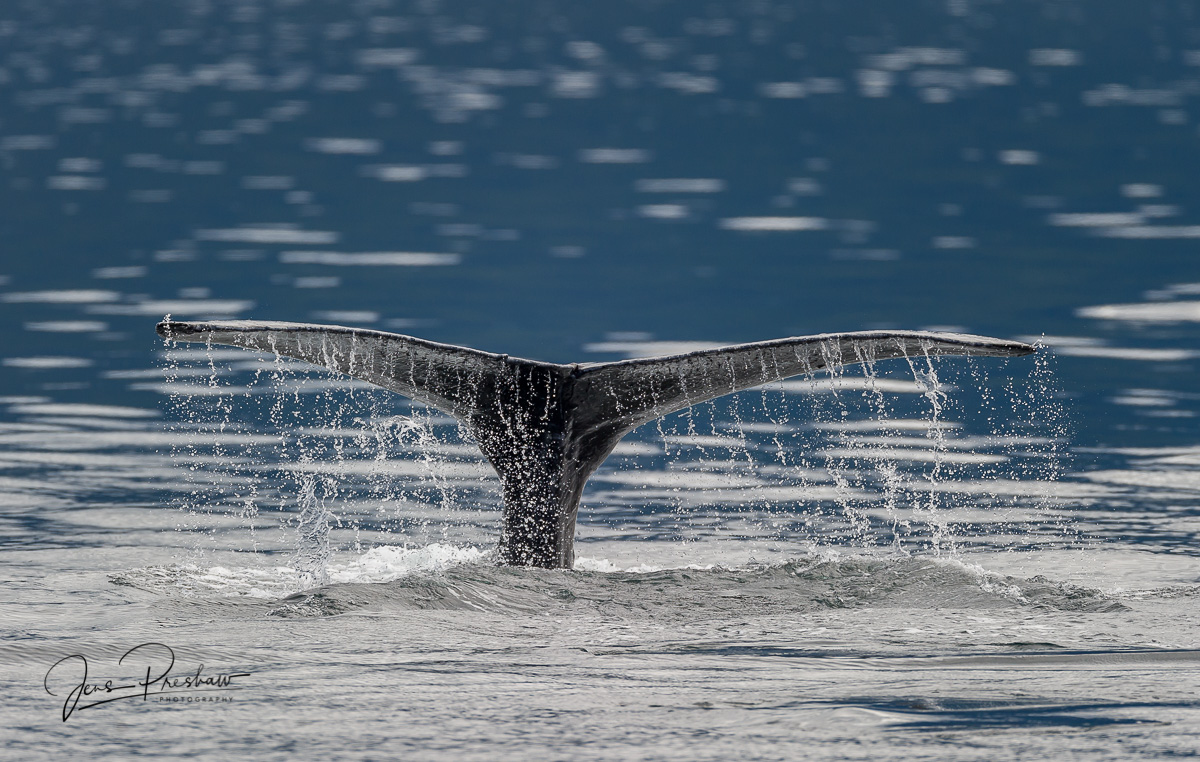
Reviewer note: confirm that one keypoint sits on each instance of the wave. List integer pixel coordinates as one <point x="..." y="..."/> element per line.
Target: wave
<point x="448" y="577"/>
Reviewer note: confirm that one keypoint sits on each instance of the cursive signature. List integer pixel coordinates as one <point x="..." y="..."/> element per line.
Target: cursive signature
<point x="158" y="660"/>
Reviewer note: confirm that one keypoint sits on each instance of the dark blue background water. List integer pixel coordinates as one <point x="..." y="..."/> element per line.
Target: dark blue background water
<point x="933" y="141"/>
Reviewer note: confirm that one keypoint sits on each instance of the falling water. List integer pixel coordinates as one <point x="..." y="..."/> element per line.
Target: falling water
<point x="312" y="531"/>
<point x="896" y="455"/>
<point x="917" y="456"/>
<point x="330" y="462"/>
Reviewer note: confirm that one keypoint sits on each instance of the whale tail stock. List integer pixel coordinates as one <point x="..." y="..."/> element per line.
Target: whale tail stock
<point x="546" y="427"/>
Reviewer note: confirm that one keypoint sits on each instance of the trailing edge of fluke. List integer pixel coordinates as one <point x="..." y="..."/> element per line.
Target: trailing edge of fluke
<point x="546" y="427"/>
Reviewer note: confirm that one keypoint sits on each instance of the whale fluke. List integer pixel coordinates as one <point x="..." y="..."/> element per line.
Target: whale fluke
<point x="546" y="427"/>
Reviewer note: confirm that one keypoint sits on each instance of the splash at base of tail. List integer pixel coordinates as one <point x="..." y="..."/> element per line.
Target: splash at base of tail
<point x="545" y="427"/>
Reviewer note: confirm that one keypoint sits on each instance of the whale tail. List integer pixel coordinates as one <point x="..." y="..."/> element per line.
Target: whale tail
<point x="546" y="427"/>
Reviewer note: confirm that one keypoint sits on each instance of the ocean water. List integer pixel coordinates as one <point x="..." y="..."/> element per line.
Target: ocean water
<point x="939" y="559"/>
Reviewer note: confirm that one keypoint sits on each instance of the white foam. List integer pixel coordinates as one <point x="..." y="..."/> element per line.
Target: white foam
<point x="988" y="582"/>
<point x="382" y="564"/>
<point x="389" y="562"/>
